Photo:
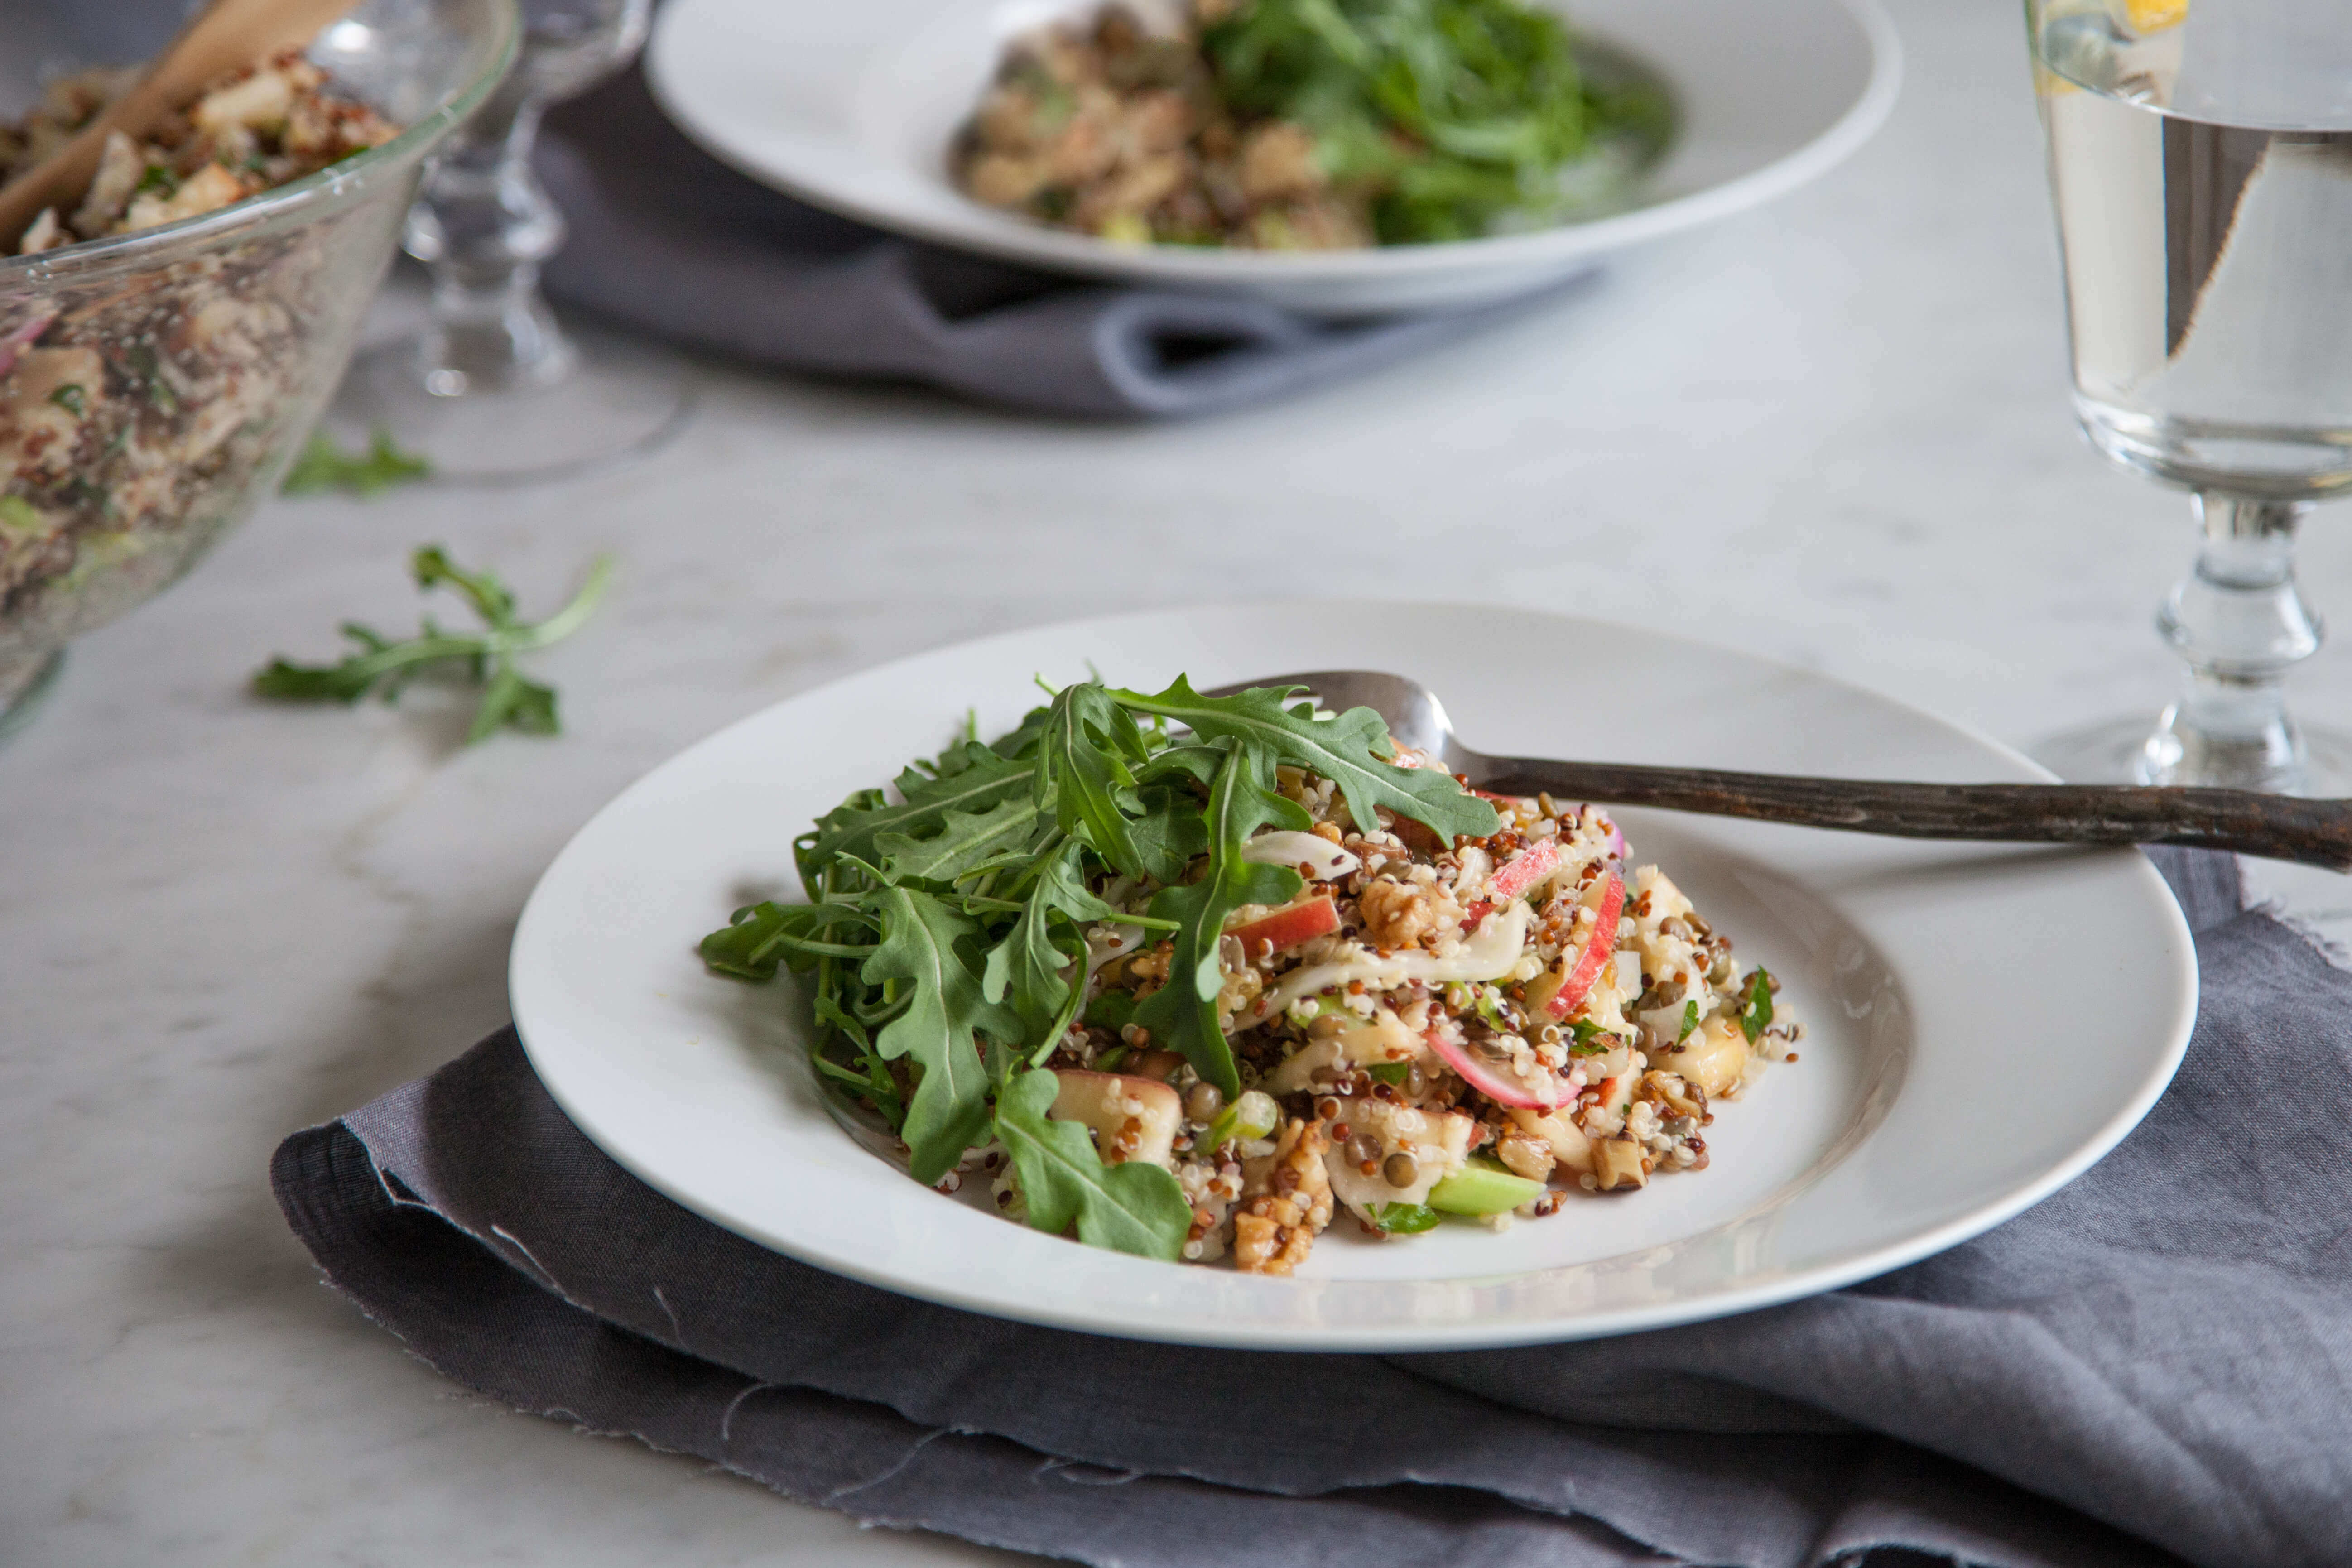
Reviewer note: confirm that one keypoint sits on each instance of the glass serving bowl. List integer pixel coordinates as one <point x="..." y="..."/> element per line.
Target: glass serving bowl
<point x="154" y="386"/>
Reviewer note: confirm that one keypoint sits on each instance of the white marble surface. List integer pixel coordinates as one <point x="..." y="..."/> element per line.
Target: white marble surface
<point x="1835" y="431"/>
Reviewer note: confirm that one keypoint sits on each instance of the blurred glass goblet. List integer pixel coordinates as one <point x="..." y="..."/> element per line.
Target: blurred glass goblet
<point x="494" y="389"/>
<point x="2201" y="162"/>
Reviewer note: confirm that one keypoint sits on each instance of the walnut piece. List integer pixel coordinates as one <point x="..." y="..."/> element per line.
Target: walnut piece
<point x="1286" y="1202"/>
<point x="1396" y="914"/>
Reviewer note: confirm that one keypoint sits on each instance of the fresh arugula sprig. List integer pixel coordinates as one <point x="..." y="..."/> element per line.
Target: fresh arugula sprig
<point x="324" y="466"/>
<point x="487" y="657"/>
<point x="945" y="932"/>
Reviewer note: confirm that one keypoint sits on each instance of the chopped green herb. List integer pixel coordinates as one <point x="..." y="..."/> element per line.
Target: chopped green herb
<point x="1587" y="1032"/>
<point x="1404" y="1220"/>
<point x="158" y="178"/>
<point x="1757" y="1016"/>
<point x="148" y="366"/>
<point x="1690" y="1021"/>
<point x="1393" y="1074"/>
<point x="487" y="657"/>
<point x="18" y="515"/>
<point x="69" y="399"/>
<point x="324" y="466"/>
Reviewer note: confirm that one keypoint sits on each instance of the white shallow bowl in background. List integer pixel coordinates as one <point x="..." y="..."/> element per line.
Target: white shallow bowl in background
<point x="853" y="107"/>
<point x="1982" y="1022"/>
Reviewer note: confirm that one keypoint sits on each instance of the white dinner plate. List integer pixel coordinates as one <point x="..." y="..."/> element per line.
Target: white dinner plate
<point x="1982" y="1022"/>
<point x="852" y="108"/>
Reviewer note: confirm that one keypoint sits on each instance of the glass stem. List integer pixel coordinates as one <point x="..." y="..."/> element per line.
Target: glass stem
<point x="484" y="224"/>
<point x="2241" y="624"/>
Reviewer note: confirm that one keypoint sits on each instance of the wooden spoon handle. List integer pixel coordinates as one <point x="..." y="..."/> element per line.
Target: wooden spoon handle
<point x="221" y="38"/>
<point x="2278" y="827"/>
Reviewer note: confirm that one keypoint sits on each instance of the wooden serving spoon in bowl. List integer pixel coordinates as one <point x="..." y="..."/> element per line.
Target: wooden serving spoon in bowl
<point x="2278" y="827"/>
<point x="221" y="38"/>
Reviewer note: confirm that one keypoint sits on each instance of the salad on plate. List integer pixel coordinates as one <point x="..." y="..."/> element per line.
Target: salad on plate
<point x="1194" y="977"/>
<point x="1311" y="124"/>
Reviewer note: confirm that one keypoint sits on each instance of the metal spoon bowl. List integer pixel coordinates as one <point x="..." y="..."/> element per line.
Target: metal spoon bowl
<point x="2277" y="828"/>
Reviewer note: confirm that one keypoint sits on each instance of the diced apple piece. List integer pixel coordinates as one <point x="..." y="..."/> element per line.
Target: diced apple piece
<point x="1569" y="1145"/>
<point x="1286" y="926"/>
<point x="1133" y="1118"/>
<point x="1713" y="1057"/>
<point x="1578" y="979"/>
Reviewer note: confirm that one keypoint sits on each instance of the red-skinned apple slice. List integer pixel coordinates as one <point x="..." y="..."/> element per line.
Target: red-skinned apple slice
<point x="1523" y="871"/>
<point x="1597" y="947"/>
<point x="1489" y="1078"/>
<point x="1288" y="926"/>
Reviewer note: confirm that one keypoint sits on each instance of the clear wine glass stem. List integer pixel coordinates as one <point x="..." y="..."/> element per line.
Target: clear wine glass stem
<point x="2241" y="624"/>
<point x="484" y="226"/>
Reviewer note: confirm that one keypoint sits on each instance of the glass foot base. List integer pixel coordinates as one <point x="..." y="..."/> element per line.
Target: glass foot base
<point x="618" y="400"/>
<point x="2132" y="750"/>
<point x="18" y="705"/>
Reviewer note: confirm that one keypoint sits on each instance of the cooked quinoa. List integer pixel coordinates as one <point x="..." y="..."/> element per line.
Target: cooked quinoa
<point x="1481" y="1024"/>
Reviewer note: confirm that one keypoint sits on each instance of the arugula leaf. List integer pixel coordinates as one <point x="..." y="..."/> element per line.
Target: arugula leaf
<point x="1085" y="757"/>
<point x="1182" y="1013"/>
<point x="1172" y="829"/>
<point x="324" y="466"/>
<point x="977" y="780"/>
<point x="1757" y="1016"/>
<point x="1351" y="751"/>
<point x="966" y="839"/>
<point x="943" y="1009"/>
<point x="1135" y="1207"/>
<point x="765" y="934"/>
<point x="1030" y="960"/>
<point x="487" y="657"/>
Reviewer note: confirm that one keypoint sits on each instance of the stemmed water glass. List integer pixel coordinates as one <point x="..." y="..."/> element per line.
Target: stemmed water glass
<point x="2201" y="162"/>
<point x="494" y="388"/>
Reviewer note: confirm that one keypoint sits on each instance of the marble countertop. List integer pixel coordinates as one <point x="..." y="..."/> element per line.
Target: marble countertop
<point x="1834" y="431"/>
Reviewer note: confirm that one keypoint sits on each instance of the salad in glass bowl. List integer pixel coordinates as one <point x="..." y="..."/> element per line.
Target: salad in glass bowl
<point x="166" y="343"/>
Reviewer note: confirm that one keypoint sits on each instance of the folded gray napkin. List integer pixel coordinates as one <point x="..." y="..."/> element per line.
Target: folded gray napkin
<point x="2164" y="1349"/>
<point x="666" y="239"/>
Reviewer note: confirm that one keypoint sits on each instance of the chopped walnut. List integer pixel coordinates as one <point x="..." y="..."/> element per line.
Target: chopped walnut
<point x="1286" y="1202"/>
<point x="1396" y="914"/>
<point x="1674" y="1094"/>
<point x="1619" y="1164"/>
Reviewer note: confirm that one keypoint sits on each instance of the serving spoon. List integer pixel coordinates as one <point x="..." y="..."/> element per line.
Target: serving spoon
<point x="218" y="39"/>
<point x="2277" y="828"/>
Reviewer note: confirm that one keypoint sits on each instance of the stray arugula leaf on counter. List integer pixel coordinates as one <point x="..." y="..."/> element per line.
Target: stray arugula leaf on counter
<point x="947" y="931"/>
<point x="324" y="466"/>
<point x="485" y="658"/>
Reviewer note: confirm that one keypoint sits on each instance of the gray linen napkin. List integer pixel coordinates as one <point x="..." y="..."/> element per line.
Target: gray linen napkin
<point x="666" y="239"/>
<point x="2163" y="1348"/>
